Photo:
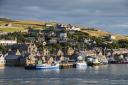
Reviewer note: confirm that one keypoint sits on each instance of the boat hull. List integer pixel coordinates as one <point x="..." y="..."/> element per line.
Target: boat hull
<point x="117" y="62"/>
<point x="41" y="67"/>
<point x="30" y="67"/>
<point x="81" y="65"/>
<point x="93" y="64"/>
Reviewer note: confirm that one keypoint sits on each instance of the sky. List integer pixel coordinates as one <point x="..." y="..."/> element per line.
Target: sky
<point x="109" y="15"/>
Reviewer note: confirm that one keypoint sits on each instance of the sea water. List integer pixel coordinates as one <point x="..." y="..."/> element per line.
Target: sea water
<point x="99" y="75"/>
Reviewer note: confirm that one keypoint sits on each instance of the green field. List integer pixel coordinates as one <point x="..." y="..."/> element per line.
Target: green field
<point x="11" y="29"/>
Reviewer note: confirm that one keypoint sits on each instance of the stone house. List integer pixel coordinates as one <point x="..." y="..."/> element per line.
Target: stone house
<point x="2" y="60"/>
<point x="63" y="37"/>
<point x="41" y="37"/>
<point x="50" y="60"/>
<point x="45" y="52"/>
<point x="26" y="48"/>
<point x="32" y="49"/>
<point x="30" y="60"/>
<point x="12" y="58"/>
<point x="70" y="51"/>
<point x="53" y="41"/>
<point x="19" y="57"/>
<point x="60" y="55"/>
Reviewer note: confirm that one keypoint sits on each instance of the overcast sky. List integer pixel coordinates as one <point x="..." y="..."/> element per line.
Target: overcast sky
<point x="110" y="15"/>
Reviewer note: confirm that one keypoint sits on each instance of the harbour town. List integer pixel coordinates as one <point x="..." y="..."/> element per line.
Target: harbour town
<point x="63" y="42"/>
<point x="59" y="46"/>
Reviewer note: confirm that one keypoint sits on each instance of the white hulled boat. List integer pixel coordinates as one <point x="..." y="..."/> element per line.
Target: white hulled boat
<point x="92" y="61"/>
<point x="47" y="66"/>
<point x="81" y="63"/>
<point x="41" y="66"/>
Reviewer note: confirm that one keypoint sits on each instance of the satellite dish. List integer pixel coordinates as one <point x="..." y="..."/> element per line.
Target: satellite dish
<point x="80" y="58"/>
<point x="44" y="43"/>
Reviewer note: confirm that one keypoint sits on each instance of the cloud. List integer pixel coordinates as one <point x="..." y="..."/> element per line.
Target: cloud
<point x="32" y="8"/>
<point x="122" y="25"/>
<point x="99" y="13"/>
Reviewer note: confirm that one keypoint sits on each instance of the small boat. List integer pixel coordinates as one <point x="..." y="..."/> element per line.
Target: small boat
<point x="118" y="62"/>
<point x="81" y="64"/>
<point x="40" y="65"/>
<point x="46" y="66"/>
<point x="30" y="67"/>
<point x="104" y="62"/>
<point x="92" y="61"/>
<point x="123" y="62"/>
<point x="96" y="62"/>
<point x="111" y="60"/>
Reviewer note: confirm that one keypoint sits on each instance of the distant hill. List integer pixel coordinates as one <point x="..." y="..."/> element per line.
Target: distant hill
<point x="6" y="20"/>
<point x="24" y="22"/>
<point x="9" y="25"/>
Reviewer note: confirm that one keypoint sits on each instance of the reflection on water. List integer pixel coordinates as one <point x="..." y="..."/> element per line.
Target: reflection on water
<point x="98" y="75"/>
<point x="49" y="70"/>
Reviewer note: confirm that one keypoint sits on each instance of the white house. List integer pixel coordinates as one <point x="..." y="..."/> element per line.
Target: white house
<point x="75" y="28"/>
<point x="8" y="24"/>
<point x="63" y="35"/>
<point x="8" y="42"/>
<point x="49" y="25"/>
<point x="113" y="37"/>
<point x="2" y="60"/>
<point x="53" y="41"/>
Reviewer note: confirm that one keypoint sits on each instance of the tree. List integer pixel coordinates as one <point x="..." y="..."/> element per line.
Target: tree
<point x="113" y="45"/>
<point x="99" y="41"/>
<point x="123" y="43"/>
<point x="3" y="49"/>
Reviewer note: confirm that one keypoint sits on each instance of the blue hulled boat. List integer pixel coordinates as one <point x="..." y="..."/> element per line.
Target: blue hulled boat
<point x="46" y="66"/>
<point x="41" y="66"/>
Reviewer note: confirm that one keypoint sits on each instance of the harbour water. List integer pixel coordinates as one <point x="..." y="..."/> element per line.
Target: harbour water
<point x="99" y="75"/>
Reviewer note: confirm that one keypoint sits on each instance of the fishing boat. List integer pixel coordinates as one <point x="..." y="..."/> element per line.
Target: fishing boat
<point x="104" y="62"/>
<point x="81" y="64"/>
<point x="46" y="66"/>
<point x="41" y="66"/>
<point x="30" y="67"/>
<point x="92" y="61"/>
<point x="118" y="62"/>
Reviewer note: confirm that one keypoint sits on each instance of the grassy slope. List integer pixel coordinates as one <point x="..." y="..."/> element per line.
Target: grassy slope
<point x="97" y="33"/>
<point x="34" y="22"/>
<point x="119" y="37"/>
<point x="35" y="25"/>
<point x="11" y="29"/>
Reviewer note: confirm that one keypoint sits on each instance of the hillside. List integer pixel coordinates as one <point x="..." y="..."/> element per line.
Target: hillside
<point x="95" y="32"/>
<point x="9" y="25"/>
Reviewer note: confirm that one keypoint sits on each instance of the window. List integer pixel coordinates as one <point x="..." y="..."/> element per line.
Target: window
<point x="2" y="62"/>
